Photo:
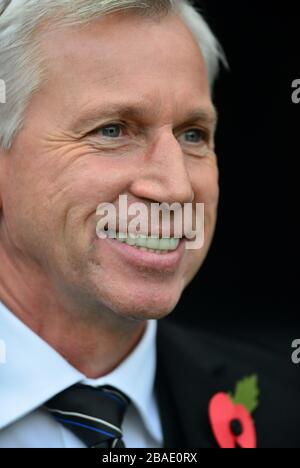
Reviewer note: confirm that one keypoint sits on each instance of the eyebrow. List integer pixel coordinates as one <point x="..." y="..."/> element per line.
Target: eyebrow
<point x="138" y="111"/>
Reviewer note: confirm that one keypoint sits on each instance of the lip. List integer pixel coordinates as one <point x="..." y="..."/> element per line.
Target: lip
<point x="139" y="258"/>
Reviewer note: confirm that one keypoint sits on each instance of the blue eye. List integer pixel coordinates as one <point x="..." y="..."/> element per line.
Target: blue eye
<point x="111" y="131"/>
<point x="194" y="135"/>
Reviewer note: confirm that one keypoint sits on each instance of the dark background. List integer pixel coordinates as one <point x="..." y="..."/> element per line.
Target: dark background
<point x="250" y="278"/>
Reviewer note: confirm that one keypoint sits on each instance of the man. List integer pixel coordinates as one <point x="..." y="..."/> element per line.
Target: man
<point x="106" y="99"/>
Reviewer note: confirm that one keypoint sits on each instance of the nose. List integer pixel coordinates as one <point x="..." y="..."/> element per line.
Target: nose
<point x="163" y="177"/>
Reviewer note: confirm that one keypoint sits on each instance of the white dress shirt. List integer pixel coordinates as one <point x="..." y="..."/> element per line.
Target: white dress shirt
<point x="34" y="372"/>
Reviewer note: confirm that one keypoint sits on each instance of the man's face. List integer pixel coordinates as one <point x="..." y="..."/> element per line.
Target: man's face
<point x="114" y="117"/>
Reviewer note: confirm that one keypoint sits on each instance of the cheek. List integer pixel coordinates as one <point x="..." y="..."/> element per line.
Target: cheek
<point x="95" y="179"/>
<point x="207" y="191"/>
<point x="86" y="188"/>
<point x="206" y="185"/>
<point x="20" y="207"/>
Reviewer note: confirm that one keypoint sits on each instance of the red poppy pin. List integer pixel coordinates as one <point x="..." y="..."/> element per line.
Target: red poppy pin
<point x="231" y="415"/>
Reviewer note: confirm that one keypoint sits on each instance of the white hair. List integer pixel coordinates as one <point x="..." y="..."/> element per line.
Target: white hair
<point x="20" y="60"/>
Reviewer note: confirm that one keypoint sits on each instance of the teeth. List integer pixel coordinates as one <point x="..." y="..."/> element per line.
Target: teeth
<point x="150" y="244"/>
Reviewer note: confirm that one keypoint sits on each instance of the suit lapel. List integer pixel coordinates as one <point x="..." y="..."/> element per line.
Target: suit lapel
<point x="186" y="380"/>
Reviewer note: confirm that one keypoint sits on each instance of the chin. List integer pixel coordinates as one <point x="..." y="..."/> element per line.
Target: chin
<point x="141" y="305"/>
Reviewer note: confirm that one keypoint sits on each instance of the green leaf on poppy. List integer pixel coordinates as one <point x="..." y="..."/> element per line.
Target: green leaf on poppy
<point x="247" y="393"/>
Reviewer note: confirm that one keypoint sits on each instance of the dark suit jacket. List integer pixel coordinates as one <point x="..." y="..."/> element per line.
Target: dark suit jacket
<point x="195" y="365"/>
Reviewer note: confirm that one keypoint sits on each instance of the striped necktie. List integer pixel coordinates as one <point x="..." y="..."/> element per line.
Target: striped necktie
<point x="94" y="415"/>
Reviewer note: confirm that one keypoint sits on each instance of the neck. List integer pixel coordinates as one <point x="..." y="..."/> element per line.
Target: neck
<point x="93" y="340"/>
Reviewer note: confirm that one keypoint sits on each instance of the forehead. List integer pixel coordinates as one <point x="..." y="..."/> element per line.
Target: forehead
<point x="154" y="60"/>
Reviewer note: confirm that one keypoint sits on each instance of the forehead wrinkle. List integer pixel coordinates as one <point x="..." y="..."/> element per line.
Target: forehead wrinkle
<point x="138" y="110"/>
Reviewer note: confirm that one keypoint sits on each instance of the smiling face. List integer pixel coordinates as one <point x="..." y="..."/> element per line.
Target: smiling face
<point x="125" y="110"/>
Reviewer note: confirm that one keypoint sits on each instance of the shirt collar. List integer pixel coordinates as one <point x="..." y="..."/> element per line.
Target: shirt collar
<point x="135" y="377"/>
<point x="34" y="372"/>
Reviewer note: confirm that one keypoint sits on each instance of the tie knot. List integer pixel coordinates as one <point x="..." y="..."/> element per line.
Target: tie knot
<point x="94" y="414"/>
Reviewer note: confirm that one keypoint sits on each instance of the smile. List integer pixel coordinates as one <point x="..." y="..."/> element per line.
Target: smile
<point x="147" y="243"/>
<point x="139" y="250"/>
